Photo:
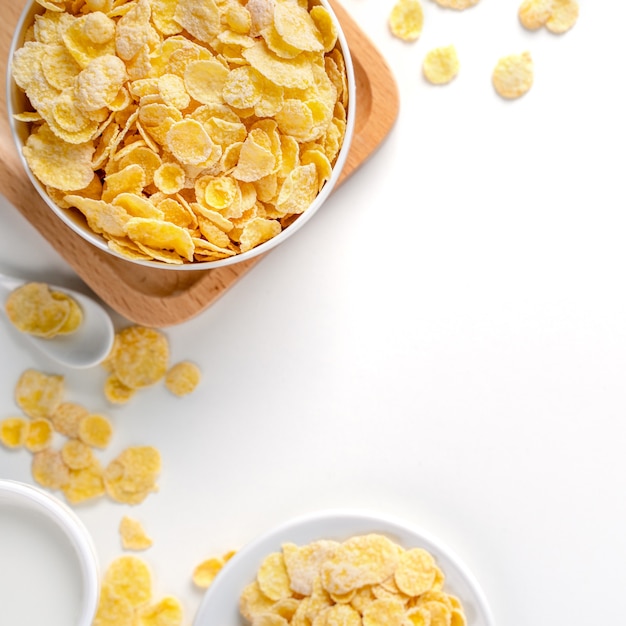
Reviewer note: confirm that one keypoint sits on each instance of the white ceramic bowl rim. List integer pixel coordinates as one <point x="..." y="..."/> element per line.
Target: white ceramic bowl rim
<point x="64" y="518"/>
<point x="17" y="129"/>
<point x="220" y="602"/>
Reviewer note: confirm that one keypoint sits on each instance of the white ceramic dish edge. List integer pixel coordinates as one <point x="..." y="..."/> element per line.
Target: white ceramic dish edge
<point x="220" y="603"/>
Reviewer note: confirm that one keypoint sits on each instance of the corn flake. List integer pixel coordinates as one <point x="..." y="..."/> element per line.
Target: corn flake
<point x="95" y="430"/>
<point x="129" y="577"/>
<point x="406" y="20"/>
<point x="49" y="470"/>
<point x="441" y="65"/>
<point x="39" y="394"/>
<point x="77" y="455"/>
<point x="166" y="612"/>
<point x="133" y="535"/>
<point x="39" y="435"/>
<point x="32" y="309"/>
<point x="113" y="609"/>
<point x="513" y="75"/>
<point x="182" y="378"/>
<point x="458" y="5"/>
<point x="132" y="475"/>
<point x="563" y="16"/>
<point x="534" y="14"/>
<point x="273" y="578"/>
<point x="57" y="163"/>
<point x="66" y="418"/>
<point x="13" y="432"/>
<point x="84" y="484"/>
<point x="204" y="573"/>
<point x="141" y="358"/>
<point x="415" y="573"/>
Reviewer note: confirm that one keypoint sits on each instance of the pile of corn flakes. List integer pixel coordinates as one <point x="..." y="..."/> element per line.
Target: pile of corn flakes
<point x="183" y="130"/>
<point x="367" y="580"/>
<point x="73" y="467"/>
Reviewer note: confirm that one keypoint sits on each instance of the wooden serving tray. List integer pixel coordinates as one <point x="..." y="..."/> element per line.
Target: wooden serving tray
<point x="161" y="297"/>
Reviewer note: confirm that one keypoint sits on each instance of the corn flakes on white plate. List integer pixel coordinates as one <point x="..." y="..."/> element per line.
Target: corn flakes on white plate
<point x="222" y="602"/>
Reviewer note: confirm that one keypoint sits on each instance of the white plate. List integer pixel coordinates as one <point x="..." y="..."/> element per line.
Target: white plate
<point x="220" y="604"/>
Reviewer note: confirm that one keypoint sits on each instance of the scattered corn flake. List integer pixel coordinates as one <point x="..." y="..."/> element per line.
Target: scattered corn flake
<point x="49" y="470"/>
<point x="113" y="609"/>
<point x="129" y="577"/>
<point x="39" y="394"/>
<point x="182" y="378"/>
<point x="132" y="475"/>
<point x="84" y="484"/>
<point x="95" y="430"/>
<point x="116" y="392"/>
<point x="406" y="20"/>
<point x="77" y="455"/>
<point x="141" y="358"/>
<point x="563" y="16"/>
<point x="13" y="432"/>
<point x="513" y="75"/>
<point x="458" y="5"/>
<point x="39" y="434"/>
<point x="166" y="612"/>
<point x="66" y="418"/>
<point x="204" y="573"/>
<point x="133" y="535"/>
<point x="441" y="65"/>
<point x="534" y="14"/>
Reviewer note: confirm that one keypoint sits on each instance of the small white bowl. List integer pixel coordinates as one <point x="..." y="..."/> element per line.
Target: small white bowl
<point x="220" y="604"/>
<point x="16" y="103"/>
<point x="35" y="524"/>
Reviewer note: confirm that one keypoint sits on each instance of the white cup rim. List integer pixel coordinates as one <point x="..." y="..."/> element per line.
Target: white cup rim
<point x="65" y="519"/>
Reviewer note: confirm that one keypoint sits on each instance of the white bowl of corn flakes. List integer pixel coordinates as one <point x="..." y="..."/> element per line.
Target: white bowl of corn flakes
<point x="182" y="134"/>
<point x="344" y="567"/>
<point x="49" y="568"/>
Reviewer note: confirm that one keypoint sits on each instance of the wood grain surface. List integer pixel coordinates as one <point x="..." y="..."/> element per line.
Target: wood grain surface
<point x="161" y="297"/>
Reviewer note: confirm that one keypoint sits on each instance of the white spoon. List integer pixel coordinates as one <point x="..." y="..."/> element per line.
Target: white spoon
<point x="88" y="345"/>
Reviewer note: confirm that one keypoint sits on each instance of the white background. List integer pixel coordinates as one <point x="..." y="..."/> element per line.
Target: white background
<point x="444" y="342"/>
